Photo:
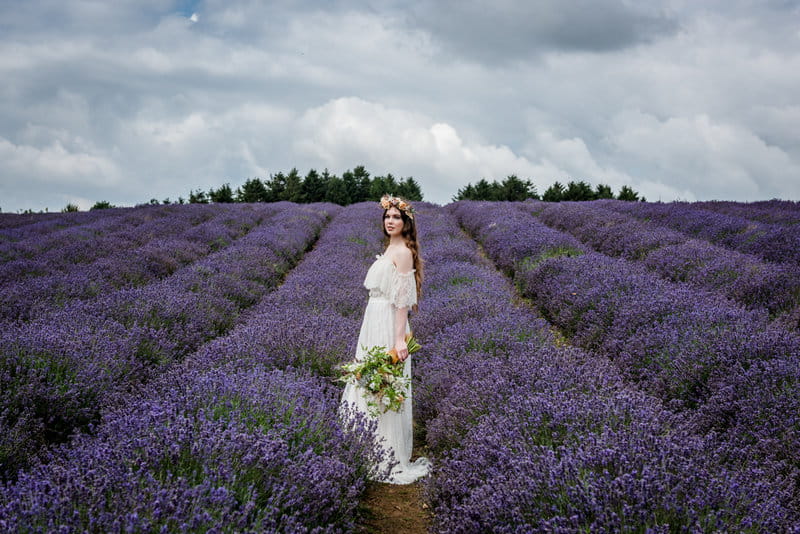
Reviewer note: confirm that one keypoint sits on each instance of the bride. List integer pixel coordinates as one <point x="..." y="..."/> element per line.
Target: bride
<point x="393" y="282"/>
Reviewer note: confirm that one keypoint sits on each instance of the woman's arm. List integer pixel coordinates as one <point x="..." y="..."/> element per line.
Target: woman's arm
<point x="401" y="317"/>
<point x="404" y="262"/>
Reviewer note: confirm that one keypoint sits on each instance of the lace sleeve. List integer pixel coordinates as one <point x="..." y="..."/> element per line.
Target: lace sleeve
<point x="403" y="289"/>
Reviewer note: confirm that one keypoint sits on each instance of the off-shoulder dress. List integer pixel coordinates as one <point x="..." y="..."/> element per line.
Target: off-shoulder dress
<point x="389" y="289"/>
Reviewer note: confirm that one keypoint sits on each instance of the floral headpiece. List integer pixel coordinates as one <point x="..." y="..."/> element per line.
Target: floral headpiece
<point x="388" y="201"/>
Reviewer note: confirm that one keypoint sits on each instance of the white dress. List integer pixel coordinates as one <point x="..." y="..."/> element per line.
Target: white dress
<point x="388" y="290"/>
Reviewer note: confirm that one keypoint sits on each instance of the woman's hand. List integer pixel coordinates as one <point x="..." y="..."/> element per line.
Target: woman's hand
<point x="402" y="349"/>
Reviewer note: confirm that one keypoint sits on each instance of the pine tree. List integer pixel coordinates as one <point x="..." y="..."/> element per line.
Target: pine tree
<point x="409" y="189"/>
<point x="222" y="195"/>
<point x="627" y="193"/>
<point x="578" y="191"/>
<point x="293" y="189"/>
<point x="253" y="190"/>
<point x="514" y="189"/>
<point x="313" y="187"/>
<point x="603" y="191"/>
<point x="554" y="193"/>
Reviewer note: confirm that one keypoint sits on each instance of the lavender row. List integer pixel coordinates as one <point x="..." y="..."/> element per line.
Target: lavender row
<point x="59" y="369"/>
<point x="322" y="319"/>
<point x="14" y="227"/>
<point x="784" y="212"/>
<point x="47" y="238"/>
<point x="244" y="431"/>
<point x="674" y="256"/>
<point x="255" y="450"/>
<point x="770" y="242"/>
<point x="61" y="250"/>
<point x="171" y="245"/>
<point x="697" y="352"/>
<point x="529" y="435"/>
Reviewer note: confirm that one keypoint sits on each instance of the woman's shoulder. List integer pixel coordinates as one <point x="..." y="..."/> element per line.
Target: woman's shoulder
<point x="401" y="257"/>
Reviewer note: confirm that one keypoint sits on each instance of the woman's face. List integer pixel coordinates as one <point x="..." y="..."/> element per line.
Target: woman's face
<point x="393" y="222"/>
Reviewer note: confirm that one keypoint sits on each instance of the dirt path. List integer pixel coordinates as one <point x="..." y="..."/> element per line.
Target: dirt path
<point x="392" y="508"/>
<point x="389" y="508"/>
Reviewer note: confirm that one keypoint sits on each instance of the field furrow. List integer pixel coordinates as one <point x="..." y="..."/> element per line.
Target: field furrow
<point x="750" y="281"/>
<point x="783" y="212"/>
<point x="632" y="404"/>
<point x="250" y="416"/>
<point x="58" y="370"/>
<point x="530" y="434"/>
<point x="50" y="248"/>
<point x="770" y="242"/>
<point x="159" y="249"/>
<point x="701" y="355"/>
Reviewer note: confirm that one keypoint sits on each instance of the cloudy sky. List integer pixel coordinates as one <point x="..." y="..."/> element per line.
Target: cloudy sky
<point x="129" y="100"/>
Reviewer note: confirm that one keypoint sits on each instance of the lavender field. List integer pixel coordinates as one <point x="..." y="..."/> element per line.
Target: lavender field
<point x="586" y="367"/>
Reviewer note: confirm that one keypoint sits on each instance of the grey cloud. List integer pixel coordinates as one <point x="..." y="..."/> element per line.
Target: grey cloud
<point x="507" y="30"/>
<point x="134" y="90"/>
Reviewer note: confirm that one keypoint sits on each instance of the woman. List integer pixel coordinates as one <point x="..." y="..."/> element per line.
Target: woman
<point x="393" y="282"/>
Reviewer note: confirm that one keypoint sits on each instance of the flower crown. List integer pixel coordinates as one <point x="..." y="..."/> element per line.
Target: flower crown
<point x="388" y="201"/>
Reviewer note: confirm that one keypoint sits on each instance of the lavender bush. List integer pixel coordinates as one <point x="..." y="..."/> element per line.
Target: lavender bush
<point x="784" y="212"/>
<point x="44" y="252"/>
<point x="690" y="348"/>
<point x="674" y="256"/>
<point x="165" y="248"/>
<point x="526" y="432"/>
<point x="528" y="435"/>
<point x="222" y="451"/>
<point x="292" y="467"/>
<point x="59" y="369"/>
<point x="768" y="241"/>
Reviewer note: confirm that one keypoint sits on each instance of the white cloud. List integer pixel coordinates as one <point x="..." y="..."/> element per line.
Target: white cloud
<point x="676" y="99"/>
<point x="54" y="164"/>
<point x="350" y="131"/>
<point x="706" y="157"/>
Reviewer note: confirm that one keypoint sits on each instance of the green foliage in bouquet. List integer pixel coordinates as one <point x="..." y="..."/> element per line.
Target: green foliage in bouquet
<point x="380" y="375"/>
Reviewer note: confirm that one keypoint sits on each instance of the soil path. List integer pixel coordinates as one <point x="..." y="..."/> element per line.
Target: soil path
<point x="389" y="508"/>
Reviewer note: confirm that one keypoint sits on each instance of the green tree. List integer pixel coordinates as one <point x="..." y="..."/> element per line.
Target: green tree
<point x="485" y="190"/>
<point x="350" y="186"/>
<point x="627" y="193"/>
<point x="102" y="205"/>
<point x="603" y="191"/>
<point x="313" y="187"/>
<point x="465" y="193"/>
<point x="361" y="184"/>
<point x="253" y="190"/>
<point x="382" y="185"/>
<point x="337" y="191"/>
<point x="554" y="193"/>
<point x="514" y="189"/>
<point x="276" y="185"/>
<point x="578" y="191"/>
<point x="293" y="189"/>
<point x="198" y="197"/>
<point x="409" y="189"/>
<point x="69" y="208"/>
<point x="222" y="195"/>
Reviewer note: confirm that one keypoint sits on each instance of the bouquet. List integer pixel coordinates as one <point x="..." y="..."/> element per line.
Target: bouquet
<point x="380" y="374"/>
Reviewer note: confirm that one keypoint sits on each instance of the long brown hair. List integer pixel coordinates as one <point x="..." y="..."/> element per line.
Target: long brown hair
<point x="409" y="234"/>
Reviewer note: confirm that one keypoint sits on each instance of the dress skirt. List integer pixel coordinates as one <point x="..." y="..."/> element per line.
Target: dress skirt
<point x="395" y="431"/>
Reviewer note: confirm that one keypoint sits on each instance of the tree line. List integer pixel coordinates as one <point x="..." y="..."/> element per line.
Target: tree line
<point x="357" y="185"/>
<point x="353" y="186"/>
<point x="514" y="188"/>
